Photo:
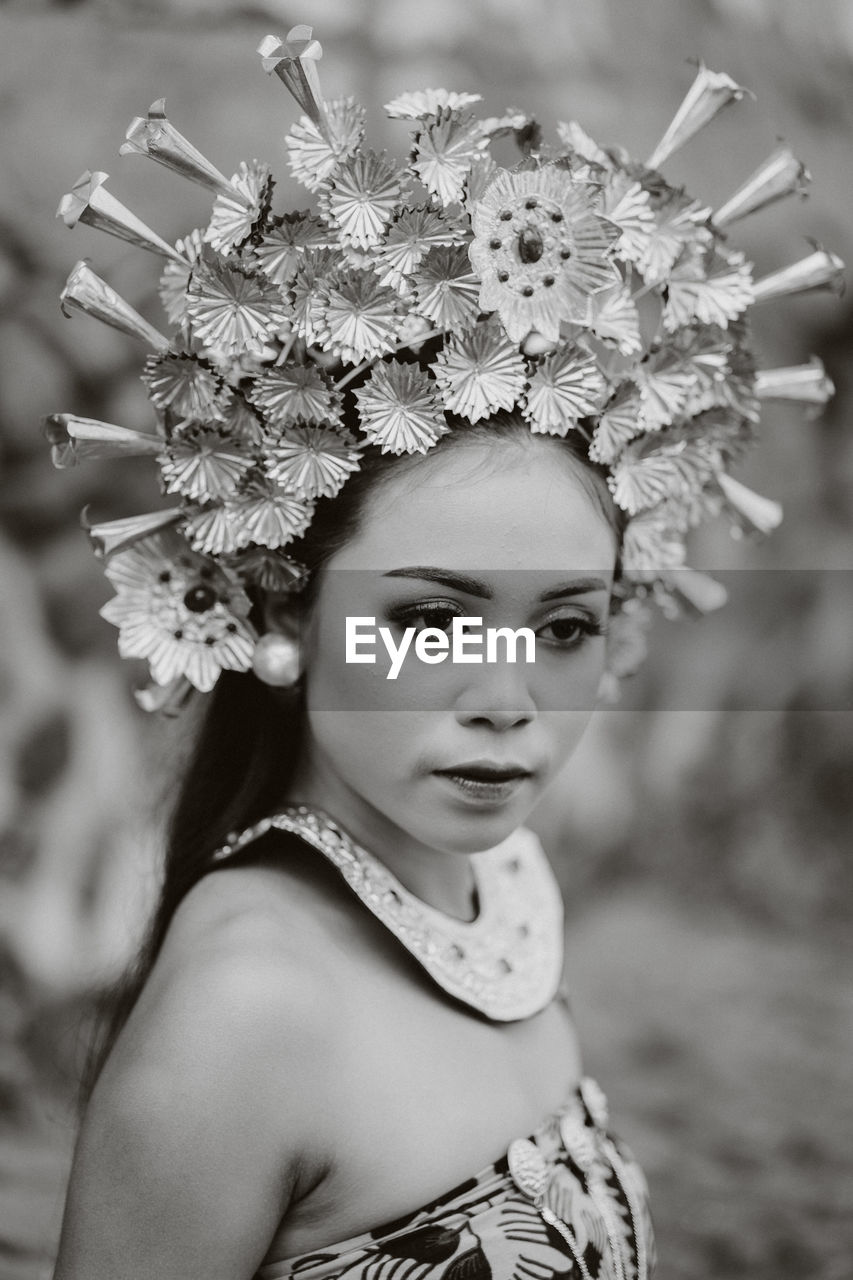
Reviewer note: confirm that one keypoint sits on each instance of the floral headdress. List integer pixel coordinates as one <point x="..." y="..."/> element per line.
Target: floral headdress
<point x="578" y="288"/>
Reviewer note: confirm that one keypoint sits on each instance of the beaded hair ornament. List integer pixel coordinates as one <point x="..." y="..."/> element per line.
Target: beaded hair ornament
<point x="578" y="289"/>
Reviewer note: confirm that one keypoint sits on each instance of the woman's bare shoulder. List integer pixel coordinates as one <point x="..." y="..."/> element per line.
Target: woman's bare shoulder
<point x="204" y="1125"/>
<point x="242" y="961"/>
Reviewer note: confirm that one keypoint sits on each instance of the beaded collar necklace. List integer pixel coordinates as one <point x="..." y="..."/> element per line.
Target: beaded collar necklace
<point x="506" y="963"/>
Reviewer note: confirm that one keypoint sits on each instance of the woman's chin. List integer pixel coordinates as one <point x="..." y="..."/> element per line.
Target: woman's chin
<point x="477" y="830"/>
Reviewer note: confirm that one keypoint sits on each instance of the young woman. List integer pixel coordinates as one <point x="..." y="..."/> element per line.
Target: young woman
<point x="290" y="1076"/>
<point x="409" y="436"/>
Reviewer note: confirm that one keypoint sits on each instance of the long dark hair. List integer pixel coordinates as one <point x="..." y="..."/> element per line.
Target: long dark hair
<point x="248" y="740"/>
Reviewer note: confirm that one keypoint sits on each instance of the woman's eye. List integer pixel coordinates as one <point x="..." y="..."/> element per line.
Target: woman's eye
<point x="571" y="631"/>
<point x="437" y="616"/>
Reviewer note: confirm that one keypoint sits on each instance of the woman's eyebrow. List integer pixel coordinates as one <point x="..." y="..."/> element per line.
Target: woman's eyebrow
<point x="474" y="587"/>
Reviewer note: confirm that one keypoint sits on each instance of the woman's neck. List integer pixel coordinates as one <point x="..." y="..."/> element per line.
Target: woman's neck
<point x="441" y="879"/>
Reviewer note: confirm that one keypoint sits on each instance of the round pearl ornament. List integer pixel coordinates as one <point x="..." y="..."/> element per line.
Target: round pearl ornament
<point x="276" y="660"/>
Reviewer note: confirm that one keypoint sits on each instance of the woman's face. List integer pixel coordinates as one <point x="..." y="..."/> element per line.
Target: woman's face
<point x="505" y="532"/>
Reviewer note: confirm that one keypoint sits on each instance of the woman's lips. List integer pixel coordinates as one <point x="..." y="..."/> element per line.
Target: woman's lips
<point x="485" y="782"/>
<point x="485" y="771"/>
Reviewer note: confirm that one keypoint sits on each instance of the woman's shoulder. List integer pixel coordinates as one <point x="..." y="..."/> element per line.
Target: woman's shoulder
<point x="241" y="970"/>
<point x="250" y="935"/>
<point x="202" y="1126"/>
<point x="230" y="1031"/>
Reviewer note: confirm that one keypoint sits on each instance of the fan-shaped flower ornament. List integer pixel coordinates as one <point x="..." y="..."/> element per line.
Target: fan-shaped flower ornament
<point x="272" y="571"/>
<point x="679" y="223"/>
<point x="664" y="381"/>
<point x="263" y="515"/>
<point x="711" y="289"/>
<point x="176" y="276"/>
<point x="204" y="465"/>
<point x="270" y="518"/>
<point x="364" y="194"/>
<point x="186" y="614"/>
<point x="399" y="409"/>
<point x="314" y="155"/>
<point x="313" y="461"/>
<point x="578" y="142"/>
<point x="281" y="249"/>
<point x="237" y="213"/>
<point x="566" y="386"/>
<point x="613" y="317"/>
<point x="296" y="393"/>
<point x="233" y="310"/>
<point x="446" y="289"/>
<point x="540" y="248"/>
<point x="706" y="353"/>
<point x="412" y="235"/>
<point x="445" y="152"/>
<point x="185" y="384"/>
<point x="237" y="419"/>
<point x="627" y="204"/>
<point x="360" y="318"/>
<point x="642" y="478"/>
<point x="619" y="422"/>
<point x="480" y="372"/>
<point x="652" y="542"/>
<point x="316" y="275"/>
<point x="424" y="103"/>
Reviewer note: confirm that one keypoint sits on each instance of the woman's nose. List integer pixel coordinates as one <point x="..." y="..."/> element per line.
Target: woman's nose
<point x="496" y="694"/>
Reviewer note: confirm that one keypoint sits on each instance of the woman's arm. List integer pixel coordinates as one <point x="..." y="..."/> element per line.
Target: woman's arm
<point x="198" y="1136"/>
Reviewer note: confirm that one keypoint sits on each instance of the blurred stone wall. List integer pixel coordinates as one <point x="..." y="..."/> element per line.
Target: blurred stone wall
<point x="722" y="783"/>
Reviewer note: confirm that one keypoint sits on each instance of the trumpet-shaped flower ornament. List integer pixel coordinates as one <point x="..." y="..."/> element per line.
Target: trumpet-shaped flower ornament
<point x="708" y="94"/>
<point x="819" y="270"/>
<point x="295" y="64"/>
<point x="808" y="383"/>
<point x="157" y="138"/>
<point x="781" y="174"/>
<point x="89" y="201"/>
<point x="74" y="439"/>
<point x="87" y="292"/>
